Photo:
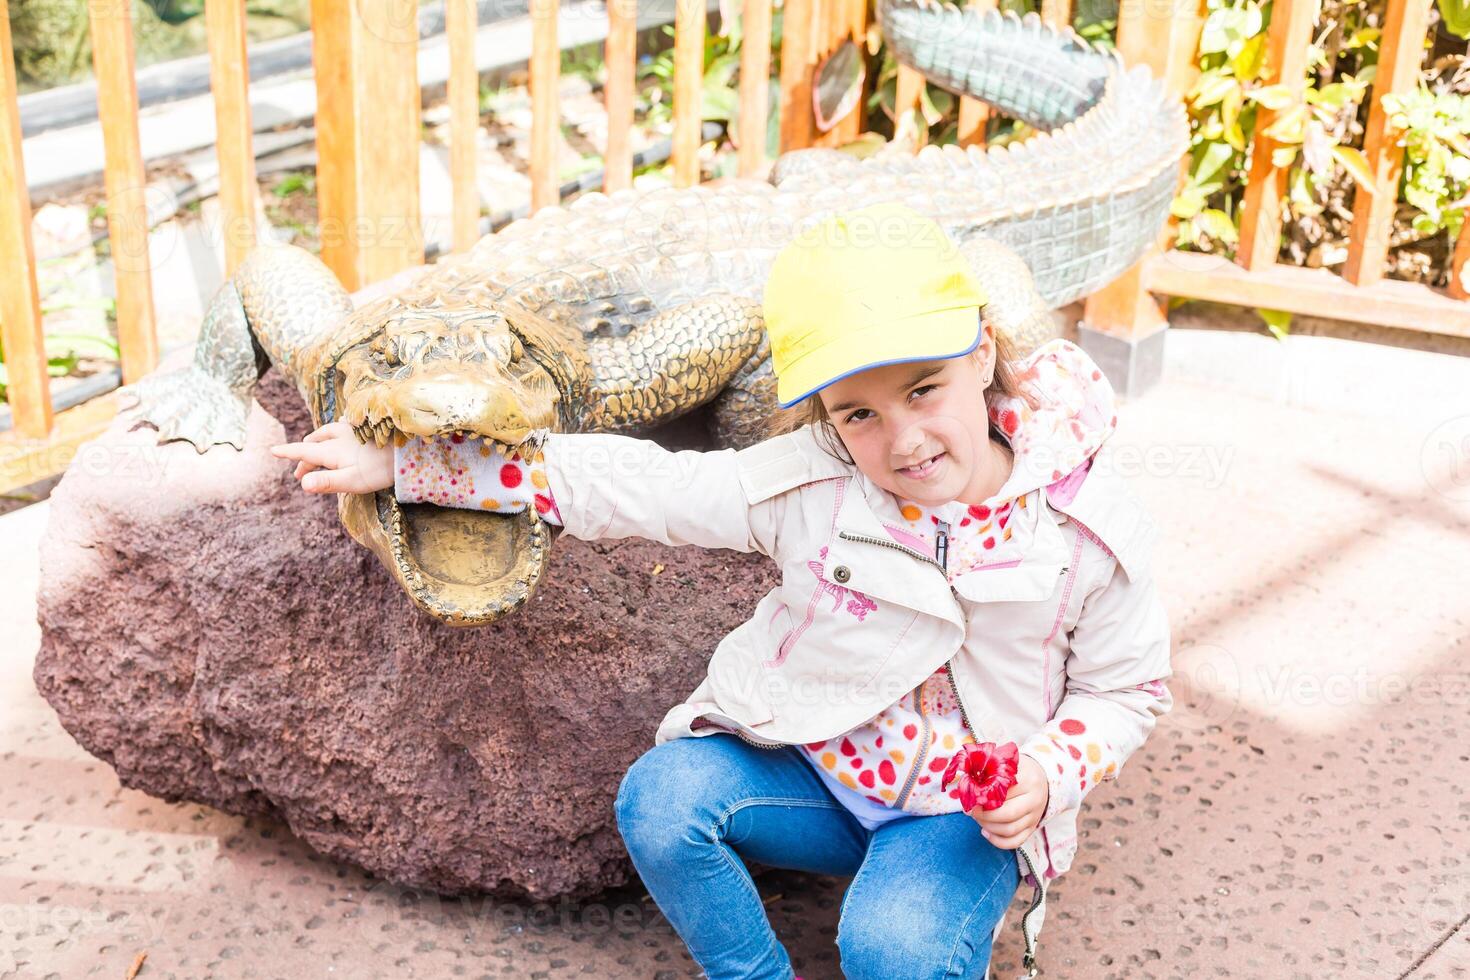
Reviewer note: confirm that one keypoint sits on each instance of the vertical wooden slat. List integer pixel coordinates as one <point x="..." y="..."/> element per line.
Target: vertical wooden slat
<point x="1056" y="14"/>
<point x="29" y="389"/>
<point x="1460" y="289"/>
<point x="460" y="24"/>
<point x="974" y="114"/>
<point x="797" y="32"/>
<point x="1286" y="63"/>
<point x="854" y="25"/>
<point x="229" y="82"/>
<point x="906" y="95"/>
<point x="621" y="55"/>
<point x="545" y="110"/>
<point x="127" y="203"/>
<point x="1167" y="45"/>
<point x="365" y="55"/>
<point x="831" y="25"/>
<point x="689" y="30"/>
<point x="755" y="86"/>
<point x="1405" y="26"/>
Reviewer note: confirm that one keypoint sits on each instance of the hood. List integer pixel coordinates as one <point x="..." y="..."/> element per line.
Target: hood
<point x="1075" y="414"/>
<point x="1070" y="414"/>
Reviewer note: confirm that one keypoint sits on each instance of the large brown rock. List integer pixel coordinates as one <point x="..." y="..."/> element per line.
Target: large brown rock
<point x="211" y="631"/>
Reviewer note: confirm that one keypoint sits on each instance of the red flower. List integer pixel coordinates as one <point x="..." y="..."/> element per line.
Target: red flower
<point x="984" y="773"/>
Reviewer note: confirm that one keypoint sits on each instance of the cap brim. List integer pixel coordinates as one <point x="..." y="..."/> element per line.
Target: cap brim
<point x="942" y="333"/>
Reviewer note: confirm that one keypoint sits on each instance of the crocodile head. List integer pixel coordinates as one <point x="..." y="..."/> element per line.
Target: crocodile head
<point x="433" y="366"/>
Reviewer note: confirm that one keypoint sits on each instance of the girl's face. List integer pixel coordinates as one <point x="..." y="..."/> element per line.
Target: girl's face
<point x="920" y="429"/>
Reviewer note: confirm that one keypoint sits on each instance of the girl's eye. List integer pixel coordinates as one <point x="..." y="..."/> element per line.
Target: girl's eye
<point x="853" y="417"/>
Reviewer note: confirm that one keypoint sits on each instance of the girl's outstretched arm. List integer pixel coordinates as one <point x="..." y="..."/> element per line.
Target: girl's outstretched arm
<point x="1115" y="689"/>
<point x="599" y="485"/>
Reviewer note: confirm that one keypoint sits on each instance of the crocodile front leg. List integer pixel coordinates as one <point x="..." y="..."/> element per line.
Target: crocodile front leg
<point x="206" y="402"/>
<point x="675" y="361"/>
<point x="279" y="302"/>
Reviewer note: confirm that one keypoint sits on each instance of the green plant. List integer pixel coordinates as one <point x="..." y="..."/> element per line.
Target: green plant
<point x="296" y="182"/>
<point x="1312" y="126"/>
<point x="1436" y="173"/>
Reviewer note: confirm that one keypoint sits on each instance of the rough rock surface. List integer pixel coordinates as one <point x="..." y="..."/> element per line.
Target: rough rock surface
<point x="213" y="633"/>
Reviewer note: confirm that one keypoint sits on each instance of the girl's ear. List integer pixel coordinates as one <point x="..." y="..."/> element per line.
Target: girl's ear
<point x="984" y="352"/>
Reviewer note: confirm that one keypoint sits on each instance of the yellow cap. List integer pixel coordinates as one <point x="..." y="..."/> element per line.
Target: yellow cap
<point x="877" y="285"/>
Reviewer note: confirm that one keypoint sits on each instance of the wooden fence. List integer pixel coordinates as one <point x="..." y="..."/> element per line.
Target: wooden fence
<point x="368" y="133"/>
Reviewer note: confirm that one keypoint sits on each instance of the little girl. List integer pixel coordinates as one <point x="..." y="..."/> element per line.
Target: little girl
<point x="955" y="570"/>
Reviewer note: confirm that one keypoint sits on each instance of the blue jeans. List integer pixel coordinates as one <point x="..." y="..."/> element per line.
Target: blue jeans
<point x="924" y="901"/>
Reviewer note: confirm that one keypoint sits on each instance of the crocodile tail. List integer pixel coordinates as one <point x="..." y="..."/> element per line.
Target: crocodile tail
<point x="1080" y="201"/>
<point x="1019" y="65"/>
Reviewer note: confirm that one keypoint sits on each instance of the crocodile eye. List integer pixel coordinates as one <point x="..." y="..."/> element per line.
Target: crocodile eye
<point x="517" y="349"/>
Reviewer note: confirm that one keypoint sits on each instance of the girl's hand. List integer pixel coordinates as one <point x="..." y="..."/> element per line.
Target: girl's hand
<point x="347" y="466"/>
<point x="1008" y="825"/>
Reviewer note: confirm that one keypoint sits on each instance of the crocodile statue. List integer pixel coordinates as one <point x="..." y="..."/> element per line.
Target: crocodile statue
<point x="622" y="311"/>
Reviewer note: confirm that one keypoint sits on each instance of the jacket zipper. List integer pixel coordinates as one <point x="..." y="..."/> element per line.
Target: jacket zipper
<point x="941" y="562"/>
<point x="941" y="550"/>
<point x="923" y="752"/>
<point x="759" y="745"/>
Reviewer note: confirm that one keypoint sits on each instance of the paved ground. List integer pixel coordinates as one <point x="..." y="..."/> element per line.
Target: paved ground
<point x="1304" y="812"/>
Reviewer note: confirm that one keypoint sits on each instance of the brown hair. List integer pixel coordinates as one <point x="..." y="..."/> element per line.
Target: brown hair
<point x="810" y="410"/>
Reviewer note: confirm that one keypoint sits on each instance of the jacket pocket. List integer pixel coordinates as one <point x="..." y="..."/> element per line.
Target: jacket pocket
<point x="735" y="683"/>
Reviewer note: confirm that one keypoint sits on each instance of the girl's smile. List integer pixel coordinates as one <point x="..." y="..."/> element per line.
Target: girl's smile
<point x="926" y="469"/>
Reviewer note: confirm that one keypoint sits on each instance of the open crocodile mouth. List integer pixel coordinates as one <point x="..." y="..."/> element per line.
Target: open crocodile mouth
<point x="464" y="567"/>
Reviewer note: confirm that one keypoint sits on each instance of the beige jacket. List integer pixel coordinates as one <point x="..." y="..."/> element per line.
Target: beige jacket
<point x="1075" y="635"/>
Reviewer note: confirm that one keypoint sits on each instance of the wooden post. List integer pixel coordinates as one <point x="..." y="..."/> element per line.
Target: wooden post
<point x="29" y="388"/>
<point x="545" y="107"/>
<point x="854" y="26"/>
<point x="1405" y="26"/>
<point x="460" y="24"/>
<point x="127" y="202"/>
<point x="689" y="30"/>
<point x="1459" y="289"/>
<point x="797" y="32"/>
<point x="1265" y="188"/>
<point x="365" y="55"/>
<point x="907" y="92"/>
<point x="1166" y="43"/>
<point x="229" y="81"/>
<point x="1056" y="14"/>
<point x="621" y="55"/>
<point x="755" y="86"/>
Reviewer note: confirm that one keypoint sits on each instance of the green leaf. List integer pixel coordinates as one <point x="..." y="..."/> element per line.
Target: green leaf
<point x="82" y="343"/>
<point x="1282" y="156"/>
<point x="1248" y="62"/>
<point x="1273" y="97"/>
<point x="1277" y="321"/>
<point x="1187" y="203"/>
<point x="1211" y="88"/>
<point x="1216" y="157"/>
<point x="1356" y="165"/>
<point x="1456" y="16"/>
<point x="1217" y="225"/>
<point x="1290" y="126"/>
